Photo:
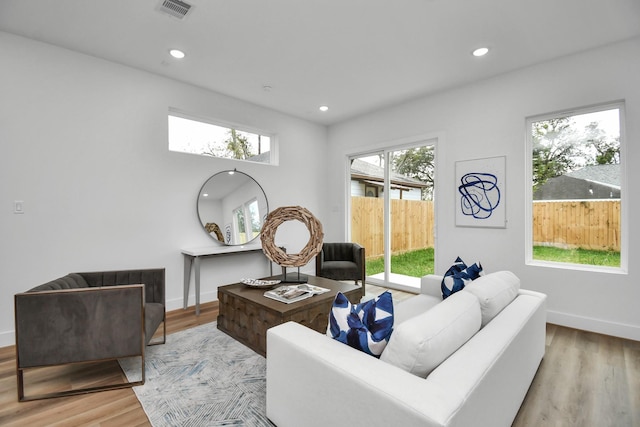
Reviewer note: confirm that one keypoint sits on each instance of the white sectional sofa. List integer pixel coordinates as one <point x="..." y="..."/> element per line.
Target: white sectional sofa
<point x="314" y="380"/>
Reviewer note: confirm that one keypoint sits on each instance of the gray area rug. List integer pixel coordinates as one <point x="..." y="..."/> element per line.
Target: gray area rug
<point x="201" y="377"/>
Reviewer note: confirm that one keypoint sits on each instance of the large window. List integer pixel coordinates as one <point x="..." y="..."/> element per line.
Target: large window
<point x="576" y="189"/>
<point x="392" y="213"/>
<point x="195" y="136"/>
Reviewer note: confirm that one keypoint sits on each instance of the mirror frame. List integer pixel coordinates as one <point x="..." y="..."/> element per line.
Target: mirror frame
<point x="224" y="227"/>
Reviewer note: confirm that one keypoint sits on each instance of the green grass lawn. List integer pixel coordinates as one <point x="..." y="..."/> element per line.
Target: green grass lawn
<point x="577" y="256"/>
<point x="420" y="262"/>
<point x="414" y="263"/>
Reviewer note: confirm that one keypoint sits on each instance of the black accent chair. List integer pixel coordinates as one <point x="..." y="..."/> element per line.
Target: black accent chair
<point x="86" y="317"/>
<point x="342" y="261"/>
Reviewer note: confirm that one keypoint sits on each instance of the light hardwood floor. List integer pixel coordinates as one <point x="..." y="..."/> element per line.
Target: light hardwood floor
<point x="585" y="380"/>
<point x="115" y="408"/>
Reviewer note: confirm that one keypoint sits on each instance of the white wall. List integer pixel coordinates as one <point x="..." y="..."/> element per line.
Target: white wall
<point x="83" y="142"/>
<point x="488" y="119"/>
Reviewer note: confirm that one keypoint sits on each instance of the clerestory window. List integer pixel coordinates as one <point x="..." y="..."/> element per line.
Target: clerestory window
<point x="196" y="136"/>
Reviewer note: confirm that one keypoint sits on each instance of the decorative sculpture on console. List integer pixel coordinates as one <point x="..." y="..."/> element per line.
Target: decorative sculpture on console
<point x="278" y="254"/>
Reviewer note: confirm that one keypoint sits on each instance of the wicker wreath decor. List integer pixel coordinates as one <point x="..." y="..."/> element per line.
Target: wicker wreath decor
<point x="289" y="213"/>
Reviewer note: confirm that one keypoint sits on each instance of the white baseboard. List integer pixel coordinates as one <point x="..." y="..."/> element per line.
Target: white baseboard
<point x="7" y="338"/>
<point x="177" y="303"/>
<point x="621" y="330"/>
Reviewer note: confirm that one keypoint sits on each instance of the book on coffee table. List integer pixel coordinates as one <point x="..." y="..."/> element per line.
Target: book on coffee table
<point x="293" y="293"/>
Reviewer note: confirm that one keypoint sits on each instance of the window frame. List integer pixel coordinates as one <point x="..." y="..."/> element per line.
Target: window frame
<point x="273" y="141"/>
<point x="528" y="190"/>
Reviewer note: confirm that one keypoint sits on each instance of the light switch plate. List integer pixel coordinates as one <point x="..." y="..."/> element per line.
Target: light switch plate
<point x="18" y="207"/>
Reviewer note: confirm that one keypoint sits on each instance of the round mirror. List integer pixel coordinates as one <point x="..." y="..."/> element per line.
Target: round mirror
<point x="232" y="207"/>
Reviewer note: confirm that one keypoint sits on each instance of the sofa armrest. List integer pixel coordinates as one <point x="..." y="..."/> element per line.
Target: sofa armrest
<point x="313" y="380"/>
<point x="358" y="253"/>
<point x="360" y="259"/>
<point x="430" y="285"/>
<point x="500" y="362"/>
<point x="76" y="325"/>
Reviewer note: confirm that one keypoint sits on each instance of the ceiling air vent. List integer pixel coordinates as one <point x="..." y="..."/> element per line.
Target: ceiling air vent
<point x="176" y="8"/>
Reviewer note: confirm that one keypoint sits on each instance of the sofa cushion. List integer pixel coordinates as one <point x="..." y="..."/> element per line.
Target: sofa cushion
<point x="458" y="275"/>
<point x="366" y="326"/>
<point x="414" y="306"/>
<point x="340" y="270"/>
<point x="494" y="291"/>
<point x="420" y="344"/>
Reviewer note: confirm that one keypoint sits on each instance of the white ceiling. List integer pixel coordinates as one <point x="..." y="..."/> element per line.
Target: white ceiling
<point x="353" y="55"/>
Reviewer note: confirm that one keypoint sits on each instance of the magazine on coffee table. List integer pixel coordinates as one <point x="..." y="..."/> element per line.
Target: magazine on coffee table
<point x="293" y="293"/>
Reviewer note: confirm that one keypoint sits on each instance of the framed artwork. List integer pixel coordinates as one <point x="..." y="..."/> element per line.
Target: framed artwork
<point x="480" y="192"/>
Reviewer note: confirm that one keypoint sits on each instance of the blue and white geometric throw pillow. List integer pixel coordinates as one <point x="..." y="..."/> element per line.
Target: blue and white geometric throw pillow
<point x="458" y="276"/>
<point x="366" y="326"/>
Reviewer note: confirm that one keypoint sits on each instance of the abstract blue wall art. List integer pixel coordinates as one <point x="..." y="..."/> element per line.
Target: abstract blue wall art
<point x="480" y="194"/>
<point x="480" y="197"/>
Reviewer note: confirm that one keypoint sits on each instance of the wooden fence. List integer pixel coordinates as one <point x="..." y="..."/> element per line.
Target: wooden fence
<point x="411" y="225"/>
<point x="585" y="224"/>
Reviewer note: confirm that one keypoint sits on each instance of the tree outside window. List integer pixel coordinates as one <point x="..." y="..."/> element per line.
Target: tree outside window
<point x="576" y="187"/>
<point x="194" y="136"/>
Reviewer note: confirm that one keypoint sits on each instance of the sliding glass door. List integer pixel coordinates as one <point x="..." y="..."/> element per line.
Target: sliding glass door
<point x="391" y="212"/>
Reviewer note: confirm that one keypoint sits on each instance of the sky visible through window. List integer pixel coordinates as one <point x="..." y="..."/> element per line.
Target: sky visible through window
<point x="607" y="120"/>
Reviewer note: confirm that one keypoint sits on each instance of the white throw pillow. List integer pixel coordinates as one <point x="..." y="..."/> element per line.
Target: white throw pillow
<point x="494" y="291"/>
<point x="420" y="344"/>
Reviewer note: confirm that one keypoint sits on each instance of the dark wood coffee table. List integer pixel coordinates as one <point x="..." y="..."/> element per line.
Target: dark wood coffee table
<point x="246" y="314"/>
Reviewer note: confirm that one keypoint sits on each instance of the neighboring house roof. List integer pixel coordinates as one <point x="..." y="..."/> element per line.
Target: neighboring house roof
<point x="372" y="174"/>
<point x="590" y="182"/>
<point x="608" y="175"/>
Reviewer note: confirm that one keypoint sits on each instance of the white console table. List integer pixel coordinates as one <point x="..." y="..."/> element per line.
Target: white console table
<point x="192" y="257"/>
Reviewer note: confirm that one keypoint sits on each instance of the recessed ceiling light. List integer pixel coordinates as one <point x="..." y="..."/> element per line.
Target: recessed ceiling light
<point x="481" y="51"/>
<point x="176" y="53"/>
<point x="324" y="108"/>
